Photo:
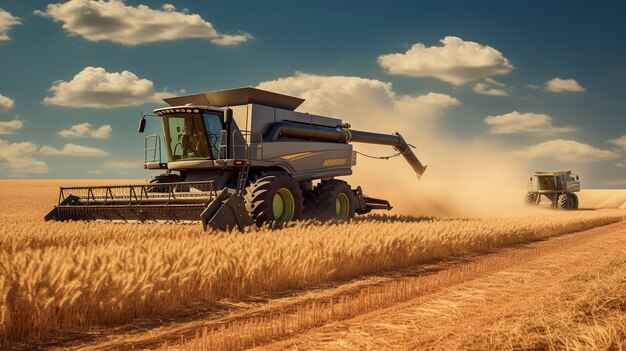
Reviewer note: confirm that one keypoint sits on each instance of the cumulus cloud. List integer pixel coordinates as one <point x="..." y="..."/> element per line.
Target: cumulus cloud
<point x="117" y="167"/>
<point x="122" y="165"/>
<point x="566" y="151"/>
<point x="86" y="130"/>
<point x="517" y="123"/>
<point x="8" y="127"/>
<point x="16" y="159"/>
<point x="359" y="98"/>
<point x="456" y="61"/>
<point x="558" y="85"/>
<point x="72" y="150"/>
<point x="7" y="21"/>
<point x="491" y="87"/>
<point x="115" y="21"/>
<point x="6" y="103"/>
<point x="621" y="141"/>
<point x="94" y="87"/>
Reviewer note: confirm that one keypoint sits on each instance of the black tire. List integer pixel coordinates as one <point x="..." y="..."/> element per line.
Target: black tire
<point x="575" y="201"/>
<point x="260" y="198"/>
<point x="567" y="201"/>
<point x="321" y="202"/>
<point x="531" y="198"/>
<point x="164" y="178"/>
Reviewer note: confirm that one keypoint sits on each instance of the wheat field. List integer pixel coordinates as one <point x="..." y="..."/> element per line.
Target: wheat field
<point x="61" y="277"/>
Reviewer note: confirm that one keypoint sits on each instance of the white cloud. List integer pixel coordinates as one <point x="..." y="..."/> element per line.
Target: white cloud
<point x="621" y="141"/>
<point x="114" y="21"/>
<point x="8" y="127"/>
<point x="6" y="103"/>
<point x="117" y="167"/>
<point x="122" y="165"/>
<point x="72" y="150"/>
<point x="94" y="87"/>
<point x="558" y="85"/>
<point x="621" y="164"/>
<point x="515" y="122"/>
<point x="7" y="21"/>
<point x="566" y="151"/>
<point x="456" y="62"/>
<point x="86" y="130"/>
<point x="491" y="87"/>
<point x="16" y="159"/>
<point x="359" y="98"/>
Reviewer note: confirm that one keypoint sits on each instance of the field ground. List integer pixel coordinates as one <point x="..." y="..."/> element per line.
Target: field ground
<point x="542" y="280"/>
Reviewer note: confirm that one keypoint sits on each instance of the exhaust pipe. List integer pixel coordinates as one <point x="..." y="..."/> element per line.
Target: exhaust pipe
<point x="346" y="136"/>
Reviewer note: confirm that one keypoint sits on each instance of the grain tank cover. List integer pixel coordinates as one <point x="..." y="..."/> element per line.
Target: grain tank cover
<point x="554" y="173"/>
<point x="239" y="96"/>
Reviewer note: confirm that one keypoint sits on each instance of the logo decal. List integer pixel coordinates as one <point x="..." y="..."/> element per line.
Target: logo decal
<point x="335" y="162"/>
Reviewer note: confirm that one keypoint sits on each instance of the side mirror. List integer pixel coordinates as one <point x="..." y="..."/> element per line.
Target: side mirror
<point x="142" y="124"/>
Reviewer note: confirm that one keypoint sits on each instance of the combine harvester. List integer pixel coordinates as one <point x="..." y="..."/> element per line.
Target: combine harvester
<point x="235" y="158"/>
<point x="557" y="186"/>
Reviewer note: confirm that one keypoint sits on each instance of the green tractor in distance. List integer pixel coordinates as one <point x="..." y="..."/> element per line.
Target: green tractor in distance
<point x="558" y="186"/>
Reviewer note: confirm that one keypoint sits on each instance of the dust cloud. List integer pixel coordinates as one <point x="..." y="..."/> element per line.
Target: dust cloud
<point x="472" y="178"/>
<point x="461" y="180"/>
<point x="464" y="178"/>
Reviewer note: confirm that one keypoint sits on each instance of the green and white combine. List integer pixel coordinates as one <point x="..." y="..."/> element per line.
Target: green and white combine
<point x="557" y="186"/>
<point x="235" y="158"/>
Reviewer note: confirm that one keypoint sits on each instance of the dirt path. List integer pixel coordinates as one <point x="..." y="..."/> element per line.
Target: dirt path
<point x="397" y="305"/>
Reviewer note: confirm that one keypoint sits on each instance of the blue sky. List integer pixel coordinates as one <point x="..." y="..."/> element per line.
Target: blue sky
<point x="576" y="122"/>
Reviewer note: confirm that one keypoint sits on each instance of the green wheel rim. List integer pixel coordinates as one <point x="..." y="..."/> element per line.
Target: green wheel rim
<point x="283" y="205"/>
<point x="342" y="207"/>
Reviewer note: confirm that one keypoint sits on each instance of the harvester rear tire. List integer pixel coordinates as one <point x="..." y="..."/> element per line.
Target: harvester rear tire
<point x="568" y="201"/>
<point x="531" y="198"/>
<point x="271" y="192"/>
<point x="330" y="200"/>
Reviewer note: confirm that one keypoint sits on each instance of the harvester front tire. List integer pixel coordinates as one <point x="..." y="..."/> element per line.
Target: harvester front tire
<point x="531" y="198"/>
<point x="331" y="200"/>
<point x="274" y="198"/>
<point x="568" y="201"/>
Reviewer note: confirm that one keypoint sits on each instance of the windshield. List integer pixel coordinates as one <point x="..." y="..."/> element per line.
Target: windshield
<point x="187" y="139"/>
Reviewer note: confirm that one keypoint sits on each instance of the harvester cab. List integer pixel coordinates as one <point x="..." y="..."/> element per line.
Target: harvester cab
<point x="559" y="187"/>
<point x="238" y="157"/>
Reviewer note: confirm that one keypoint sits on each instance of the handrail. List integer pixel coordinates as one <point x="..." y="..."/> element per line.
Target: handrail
<point x="244" y="139"/>
<point x="156" y="149"/>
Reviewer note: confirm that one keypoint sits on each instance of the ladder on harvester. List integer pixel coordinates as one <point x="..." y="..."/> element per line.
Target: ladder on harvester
<point x="228" y="209"/>
<point x="242" y="180"/>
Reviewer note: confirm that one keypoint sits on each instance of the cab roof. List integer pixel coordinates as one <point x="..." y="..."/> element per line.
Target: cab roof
<point x="239" y="96"/>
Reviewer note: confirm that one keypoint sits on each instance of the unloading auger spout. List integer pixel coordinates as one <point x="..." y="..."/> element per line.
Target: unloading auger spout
<point x="343" y="134"/>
